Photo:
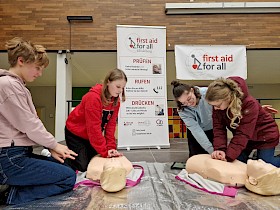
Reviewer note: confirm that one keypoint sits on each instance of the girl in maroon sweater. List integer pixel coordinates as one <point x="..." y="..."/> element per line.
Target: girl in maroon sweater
<point x="90" y="127"/>
<point x="251" y="125"/>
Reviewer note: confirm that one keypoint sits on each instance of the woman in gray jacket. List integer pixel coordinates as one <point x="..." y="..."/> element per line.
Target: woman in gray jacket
<point x="197" y="116"/>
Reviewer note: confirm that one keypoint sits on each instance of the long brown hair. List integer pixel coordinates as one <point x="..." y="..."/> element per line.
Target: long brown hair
<point x="113" y="75"/>
<point x="223" y="89"/>
<point x="30" y="53"/>
<point x="179" y="88"/>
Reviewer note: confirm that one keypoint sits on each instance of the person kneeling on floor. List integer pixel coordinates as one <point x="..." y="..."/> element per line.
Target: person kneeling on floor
<point x="28" y="175"/>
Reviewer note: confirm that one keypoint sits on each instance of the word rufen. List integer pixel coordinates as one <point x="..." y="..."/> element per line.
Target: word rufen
<point x="142" y="81"/>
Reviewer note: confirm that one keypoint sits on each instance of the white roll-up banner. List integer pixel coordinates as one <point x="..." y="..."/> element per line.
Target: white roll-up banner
<point x="143" y="117"/>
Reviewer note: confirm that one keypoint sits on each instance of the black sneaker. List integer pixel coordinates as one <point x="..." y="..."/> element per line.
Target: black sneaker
<point x="4" y="195"/>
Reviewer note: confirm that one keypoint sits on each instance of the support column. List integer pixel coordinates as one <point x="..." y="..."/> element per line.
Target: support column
<point x="63" y="93"/>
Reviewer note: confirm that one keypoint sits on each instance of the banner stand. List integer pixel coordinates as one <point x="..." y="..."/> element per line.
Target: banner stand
<point x="143" y="117"/>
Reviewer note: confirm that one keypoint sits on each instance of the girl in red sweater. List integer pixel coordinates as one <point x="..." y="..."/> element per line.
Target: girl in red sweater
<point x="90" y="127"/>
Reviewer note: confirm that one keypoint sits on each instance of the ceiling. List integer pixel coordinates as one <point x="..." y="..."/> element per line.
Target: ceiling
<point x="90" y="67"/>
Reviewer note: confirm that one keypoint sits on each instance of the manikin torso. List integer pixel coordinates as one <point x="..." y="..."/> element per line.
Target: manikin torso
<point x="230" y="173"/>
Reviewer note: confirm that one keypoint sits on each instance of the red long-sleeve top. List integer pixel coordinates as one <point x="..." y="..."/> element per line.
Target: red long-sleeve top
<point x="93" y="121"/>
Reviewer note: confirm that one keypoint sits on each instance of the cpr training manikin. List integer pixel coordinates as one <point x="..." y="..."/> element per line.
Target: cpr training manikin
<point x="111" y="172"/>
<point x="257" y="176"/>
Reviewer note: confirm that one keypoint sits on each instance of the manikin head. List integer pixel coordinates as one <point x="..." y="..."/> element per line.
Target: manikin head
<point x="263" y="178"/>
<point x="111" y="172"/>
<point x="113" y="177"/>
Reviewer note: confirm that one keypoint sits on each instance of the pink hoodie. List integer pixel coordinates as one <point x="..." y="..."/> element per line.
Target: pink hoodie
<point x="19" y="122"/>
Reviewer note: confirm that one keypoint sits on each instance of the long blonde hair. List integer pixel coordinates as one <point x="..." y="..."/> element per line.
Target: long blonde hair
<point x="115" y="74"/>
<point x="30" y="53"/>
<point x="227" y="89"/>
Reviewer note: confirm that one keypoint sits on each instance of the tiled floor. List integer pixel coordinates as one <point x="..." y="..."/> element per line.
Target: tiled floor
<point x="178" y="152"/>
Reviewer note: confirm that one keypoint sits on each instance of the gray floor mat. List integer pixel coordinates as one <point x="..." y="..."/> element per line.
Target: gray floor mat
<point x="158" y="190"/>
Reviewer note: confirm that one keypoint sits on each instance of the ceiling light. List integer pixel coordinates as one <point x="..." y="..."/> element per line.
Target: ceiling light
<point x="222" y="7"/>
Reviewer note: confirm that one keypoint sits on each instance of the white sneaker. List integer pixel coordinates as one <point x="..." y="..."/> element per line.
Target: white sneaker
<point x="3" y="187"/>
<point x="46" y="152"/>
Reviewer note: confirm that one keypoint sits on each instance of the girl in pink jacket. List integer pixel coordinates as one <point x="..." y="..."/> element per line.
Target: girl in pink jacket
<point x="29" y="176"/>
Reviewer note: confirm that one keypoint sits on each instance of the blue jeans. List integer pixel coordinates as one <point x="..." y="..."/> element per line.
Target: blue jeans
<point x="32" y="176"/>
<point x="267" y="155"/>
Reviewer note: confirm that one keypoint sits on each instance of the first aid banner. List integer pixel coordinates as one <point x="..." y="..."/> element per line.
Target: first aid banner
<point x="209" y="62"/>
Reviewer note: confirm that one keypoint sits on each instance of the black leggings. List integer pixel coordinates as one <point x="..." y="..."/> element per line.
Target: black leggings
<point x="194" y="147"/>
<point x="82" y="147"/>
